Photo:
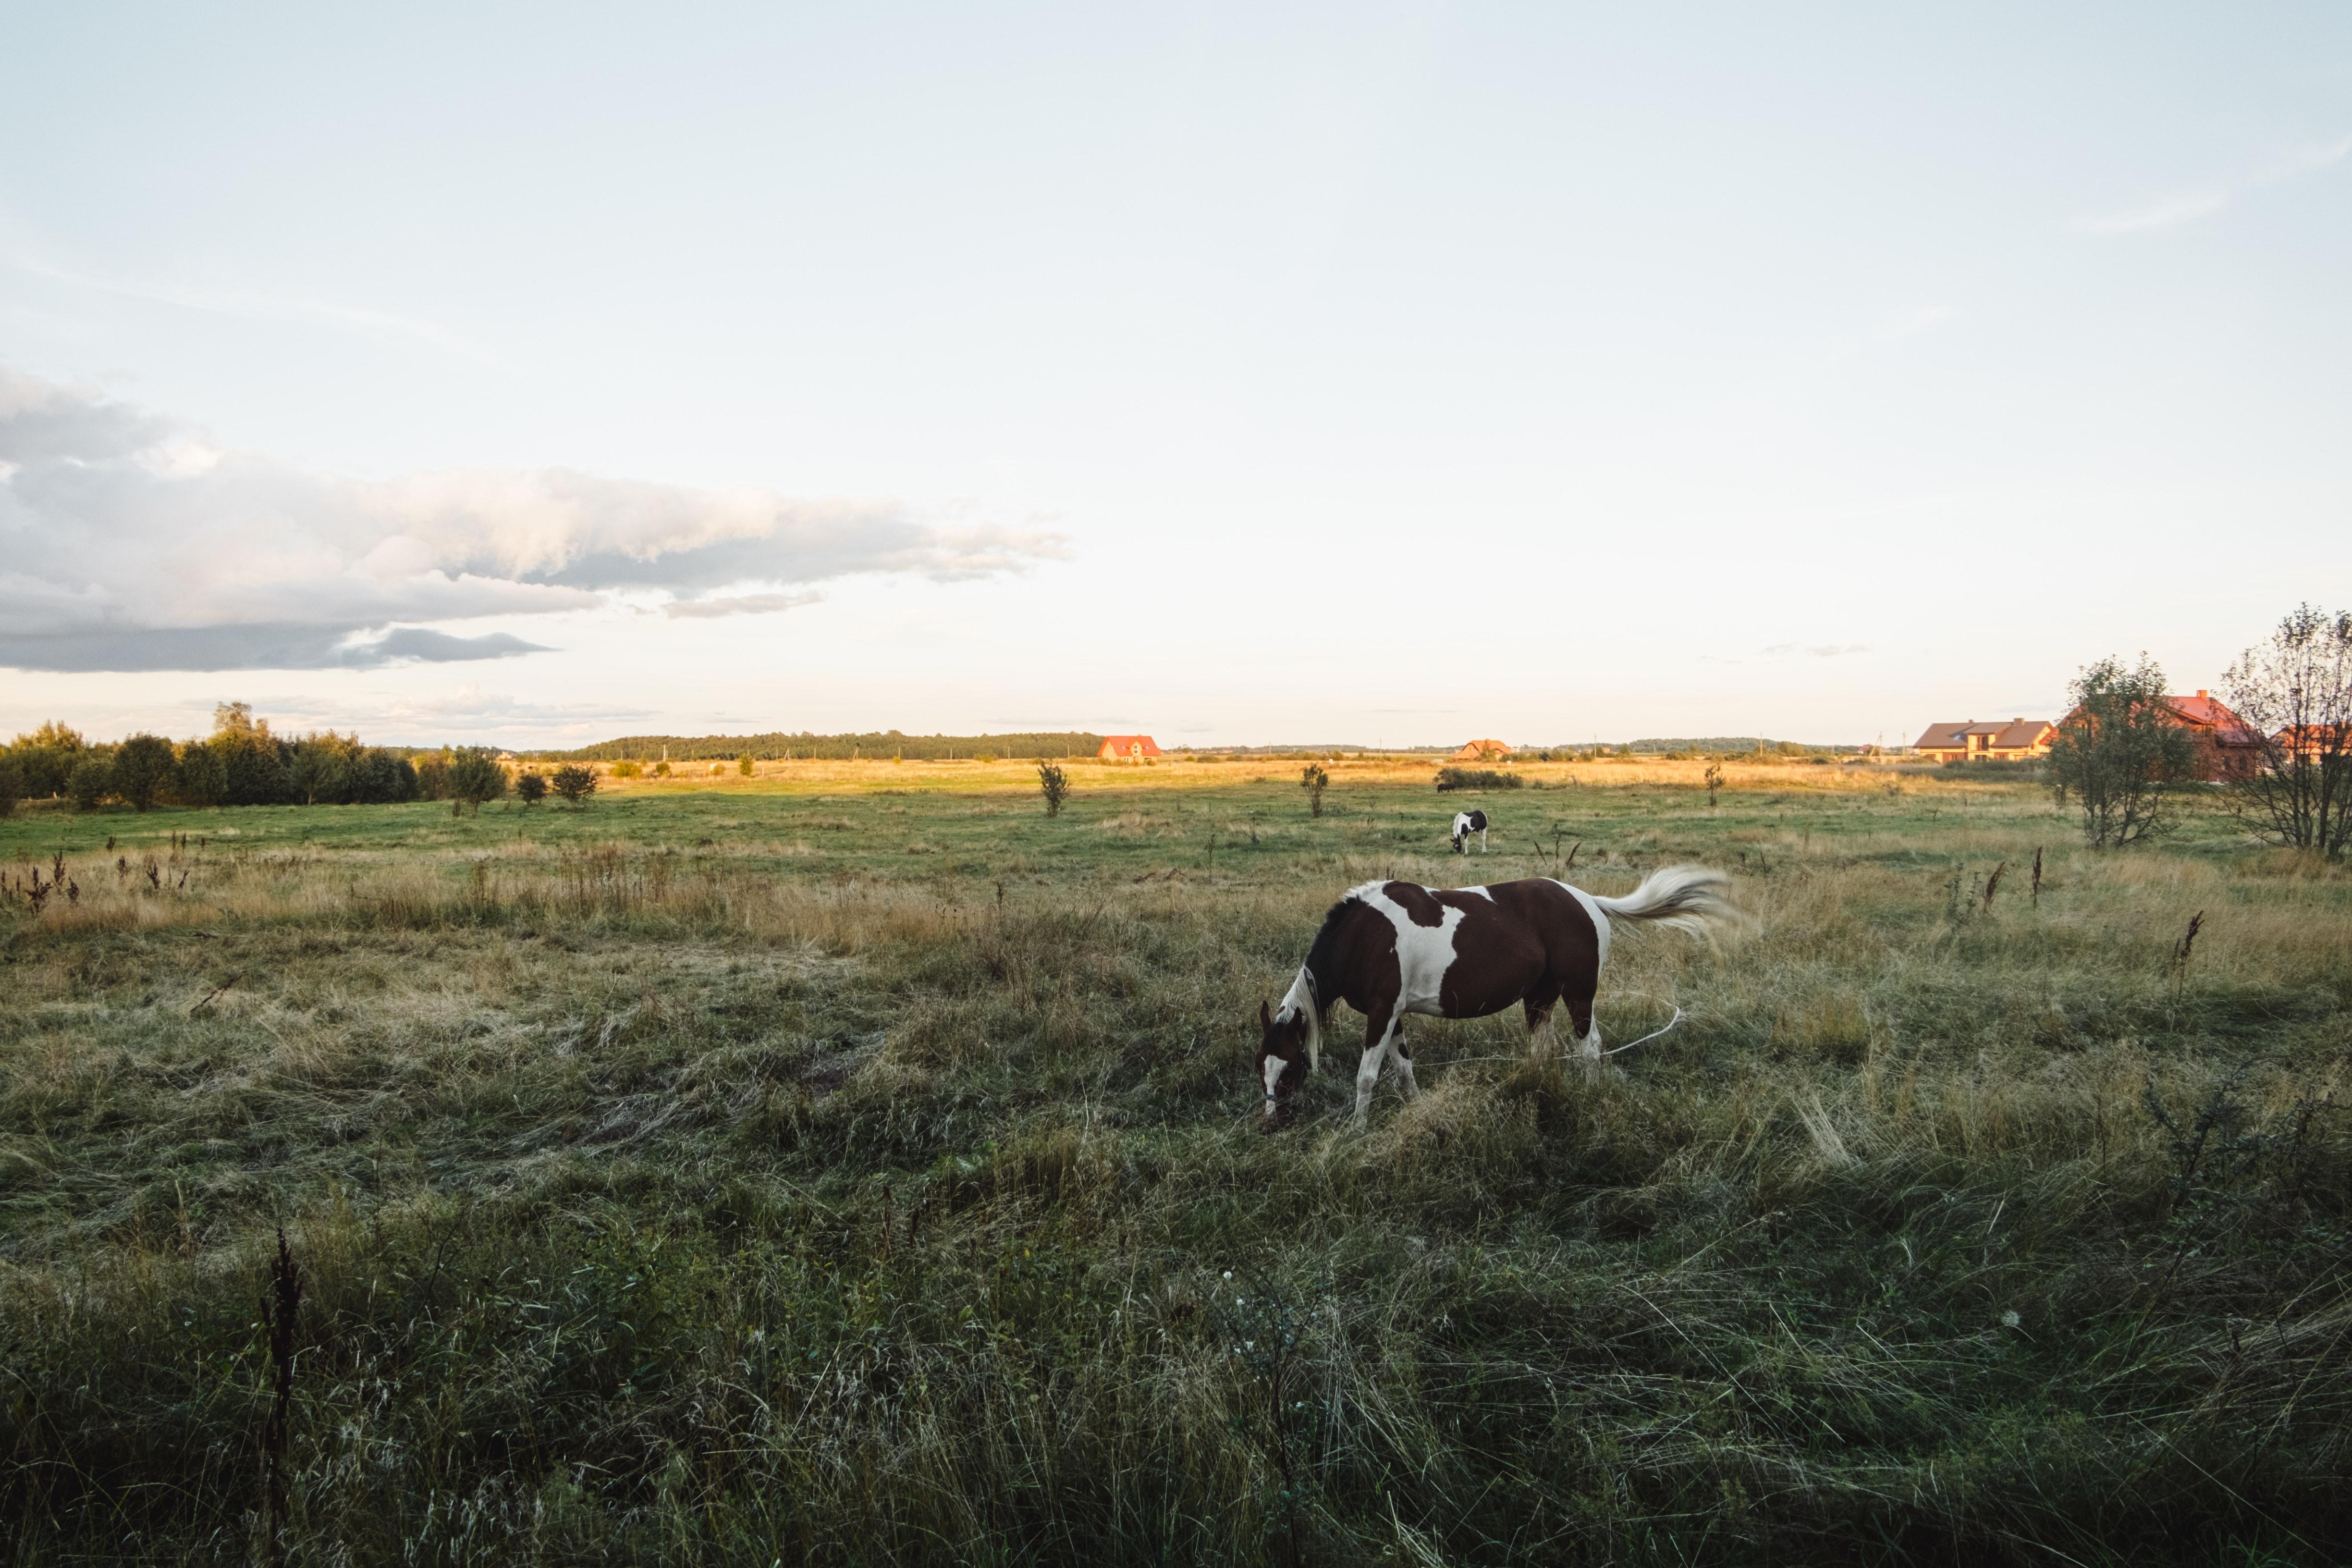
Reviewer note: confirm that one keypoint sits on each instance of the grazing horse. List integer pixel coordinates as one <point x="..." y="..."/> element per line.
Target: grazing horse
<point x="1466" y="823"/>
<point x="1391" y="948"/>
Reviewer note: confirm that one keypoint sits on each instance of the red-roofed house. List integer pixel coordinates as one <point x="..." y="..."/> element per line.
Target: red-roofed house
<point x="1483" y="751"/>
<point x="1997" y="741"/>
<point x="1127" y="749"/>
<point x="2225" y="745"/>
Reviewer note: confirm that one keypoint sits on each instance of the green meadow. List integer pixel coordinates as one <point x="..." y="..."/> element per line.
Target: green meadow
<point x="851" y="1164"/>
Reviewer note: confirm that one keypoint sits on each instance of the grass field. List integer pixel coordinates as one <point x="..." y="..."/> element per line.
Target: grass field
<point x="852" y="1165"/>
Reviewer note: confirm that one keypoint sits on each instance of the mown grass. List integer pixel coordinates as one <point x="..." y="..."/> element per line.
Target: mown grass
<point x="852" y="1165"/>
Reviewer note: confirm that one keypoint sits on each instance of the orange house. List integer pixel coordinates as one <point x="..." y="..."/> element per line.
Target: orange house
<point x="2313" y="741"/>
<point x="1127" y="749"/>
<point x="2225" y="746"/>
<point x="1482" y="751"/>
<point x="1994" y="743"/>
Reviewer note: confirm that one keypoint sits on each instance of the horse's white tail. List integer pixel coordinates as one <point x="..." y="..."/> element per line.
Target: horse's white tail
<point x="1688" y="897"/>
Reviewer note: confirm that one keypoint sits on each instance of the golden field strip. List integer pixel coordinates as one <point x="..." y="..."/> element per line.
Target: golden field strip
<point x="849" y="1164"/>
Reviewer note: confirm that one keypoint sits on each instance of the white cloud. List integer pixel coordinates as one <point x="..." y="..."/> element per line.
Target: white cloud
<point x="1818" y="650"/>
<point x="2187" y="206"/>
<point x="2309" y="158"/>
<point x="2161" y="214"/>
<point x="738" y="604"/>
<point x="127" y="544"/>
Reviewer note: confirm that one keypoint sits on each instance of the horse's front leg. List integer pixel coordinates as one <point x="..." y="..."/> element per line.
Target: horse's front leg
<point x="1402" y="1055"/>
<point x="1378" y="1026"/>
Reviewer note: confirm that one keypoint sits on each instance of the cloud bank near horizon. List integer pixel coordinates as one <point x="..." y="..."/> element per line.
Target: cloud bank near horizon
<point x="128" y="543"/>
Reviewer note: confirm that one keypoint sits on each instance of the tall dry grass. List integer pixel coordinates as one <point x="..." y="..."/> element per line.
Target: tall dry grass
<point x="683" y="1203"/>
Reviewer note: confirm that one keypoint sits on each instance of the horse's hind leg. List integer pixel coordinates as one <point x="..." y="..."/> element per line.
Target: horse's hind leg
<point x="1588" y="1034"/>
<point x="1543" y="1036"/>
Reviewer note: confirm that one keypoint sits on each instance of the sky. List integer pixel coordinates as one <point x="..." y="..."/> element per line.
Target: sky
<point x="1363" y="374"/>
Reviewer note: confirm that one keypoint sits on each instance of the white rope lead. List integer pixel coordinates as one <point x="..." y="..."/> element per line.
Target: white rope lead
<point x="1645" y="1039"/>
<point x="1653" y="1035"/>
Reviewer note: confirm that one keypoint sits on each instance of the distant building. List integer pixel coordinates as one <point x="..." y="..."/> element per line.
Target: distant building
<point x="1489" y="750"/>
<point x="2014" y="741"/>
<point x="1127" y="749"/>
<point x="2225" y="744"/>
<point x="2313" y="741"/>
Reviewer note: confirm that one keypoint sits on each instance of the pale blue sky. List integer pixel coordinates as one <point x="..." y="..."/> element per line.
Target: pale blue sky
<point x="1243" y="373"/>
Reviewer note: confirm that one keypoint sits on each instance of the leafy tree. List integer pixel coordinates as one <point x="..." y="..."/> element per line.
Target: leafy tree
<point x="433" y="776"/>
<point x="46" y="759"/>
<point x="475" y="777"/>
<point x="574" y="782"/>
<point x="2294" y="691"/>
<point x="1315" y="781"/>
<point x="12" y="784"/>
<point x="92" y="779"/>
<point x="319" y="774"/>
<point x="378" y="777"/>
<point x="248" y="764"/>
<point x="1054" y="785"/>
<point x="744" y="765"/>
<point x="2120" y="752"/>
<point x="143" y="766"/>
<point x="530" y="788"/>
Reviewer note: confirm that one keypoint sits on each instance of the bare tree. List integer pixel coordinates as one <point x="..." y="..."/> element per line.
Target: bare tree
<point x="2294" y="691"/>
<point x="2120" y="751"/>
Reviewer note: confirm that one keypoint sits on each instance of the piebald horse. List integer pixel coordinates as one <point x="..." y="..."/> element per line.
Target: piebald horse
<point x="1387" y="949"/>
<point x="1466" y="823"/>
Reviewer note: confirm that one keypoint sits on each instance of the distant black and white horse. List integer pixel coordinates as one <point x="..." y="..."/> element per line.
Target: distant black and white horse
<point x="1387" y="949"/>
<point x="1466" y="823"/>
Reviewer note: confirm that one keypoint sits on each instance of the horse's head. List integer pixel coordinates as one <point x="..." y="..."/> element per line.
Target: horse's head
<point x="1281" y="1061"/>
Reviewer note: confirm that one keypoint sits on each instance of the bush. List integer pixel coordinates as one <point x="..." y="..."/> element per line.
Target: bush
<point x="476" y="777"/>
<point x="1475" y="778"/>
<point x="1054" y="785"/>
<point x="532" y="789"/>
<point x="661" y="769"/>
<point x="1315" y="781"/>
<point x="744" y="765"/>
<point x="574" y="782"/>
<point x="2120" y="752"/>
<point x="626" y="770"/>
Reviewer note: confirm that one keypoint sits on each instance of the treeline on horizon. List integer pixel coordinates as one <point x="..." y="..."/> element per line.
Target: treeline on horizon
<point x="776" y="746"/>
<point x="241" y="763"/>
<point x="868" y="745"/>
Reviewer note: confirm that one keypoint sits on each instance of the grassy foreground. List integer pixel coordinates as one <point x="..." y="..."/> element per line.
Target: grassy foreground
<point x="851" y="1165"/>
